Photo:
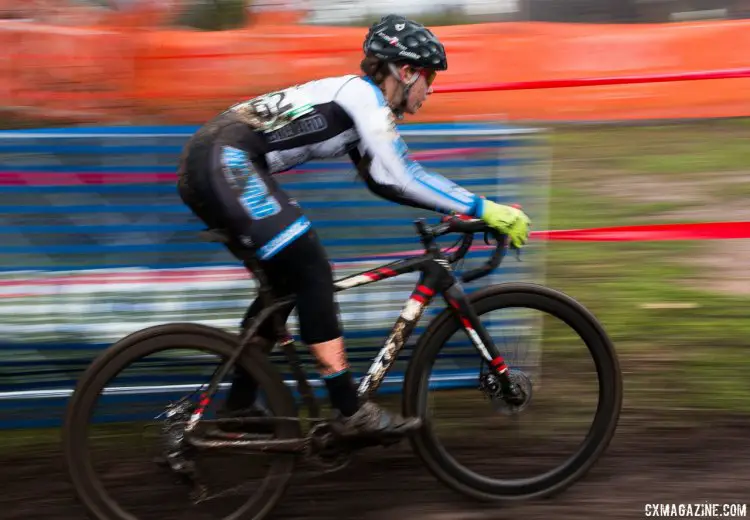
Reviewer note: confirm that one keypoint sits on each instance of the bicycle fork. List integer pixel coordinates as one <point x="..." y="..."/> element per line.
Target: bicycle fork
<point x="480" y="338"/>
<point x="482" y="341"/>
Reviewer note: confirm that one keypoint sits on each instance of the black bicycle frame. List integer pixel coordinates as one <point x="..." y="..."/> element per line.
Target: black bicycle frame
<point x="437" y="277"/>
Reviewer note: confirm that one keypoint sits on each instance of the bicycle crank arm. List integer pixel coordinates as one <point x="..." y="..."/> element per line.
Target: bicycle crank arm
<point x="262" y="446"/>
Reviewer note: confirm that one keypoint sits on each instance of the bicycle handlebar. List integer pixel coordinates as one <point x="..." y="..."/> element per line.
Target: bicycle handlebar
<point x="467" y="226"/>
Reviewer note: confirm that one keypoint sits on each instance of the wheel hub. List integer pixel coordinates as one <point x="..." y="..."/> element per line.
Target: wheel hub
<point x="521" y="387"/>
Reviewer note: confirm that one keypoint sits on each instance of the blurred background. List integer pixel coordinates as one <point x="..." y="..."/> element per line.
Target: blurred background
<point x="219" y="14"/>
<point x="98" y="98"/>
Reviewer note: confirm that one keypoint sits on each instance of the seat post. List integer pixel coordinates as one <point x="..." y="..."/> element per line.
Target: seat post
<point x="252" y="263"/>
<point x="264" y="286"/>
<point x="265" y="290"/>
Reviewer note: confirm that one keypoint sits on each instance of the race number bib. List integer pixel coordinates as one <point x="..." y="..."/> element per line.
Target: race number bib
<point x="274" y="110"/>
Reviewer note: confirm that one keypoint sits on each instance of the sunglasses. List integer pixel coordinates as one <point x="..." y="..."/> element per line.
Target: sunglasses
<point x="429" y="76"/>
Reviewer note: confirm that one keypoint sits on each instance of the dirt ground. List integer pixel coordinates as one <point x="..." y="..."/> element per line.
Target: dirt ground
<point x="651" y="460"/>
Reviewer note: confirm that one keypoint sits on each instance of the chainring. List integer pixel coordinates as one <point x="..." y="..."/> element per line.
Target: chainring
<point x="324" y="451"/>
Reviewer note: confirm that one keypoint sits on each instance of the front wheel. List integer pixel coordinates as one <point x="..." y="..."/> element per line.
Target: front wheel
<point x="607" y="397"/>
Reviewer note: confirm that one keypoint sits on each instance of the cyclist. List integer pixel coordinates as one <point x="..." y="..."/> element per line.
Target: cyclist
<point x="226" y="178"/>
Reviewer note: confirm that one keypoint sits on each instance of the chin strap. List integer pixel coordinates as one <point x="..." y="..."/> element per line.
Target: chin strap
<point x="398" y="111"/>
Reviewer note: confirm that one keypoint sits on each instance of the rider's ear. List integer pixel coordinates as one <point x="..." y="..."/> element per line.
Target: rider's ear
<point x="406" y="73"/>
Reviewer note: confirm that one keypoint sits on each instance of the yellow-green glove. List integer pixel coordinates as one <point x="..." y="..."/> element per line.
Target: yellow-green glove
<point x="508" y="220"/>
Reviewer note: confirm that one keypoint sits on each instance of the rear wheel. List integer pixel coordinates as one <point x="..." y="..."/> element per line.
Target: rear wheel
<point x="607" y="398"/>
<point x="154" y="489"/>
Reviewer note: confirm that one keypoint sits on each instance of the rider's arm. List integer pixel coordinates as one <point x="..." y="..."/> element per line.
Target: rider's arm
<point x="388" y="171"/>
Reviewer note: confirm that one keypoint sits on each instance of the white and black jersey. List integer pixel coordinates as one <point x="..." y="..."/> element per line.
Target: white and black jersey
<point x="321" y="119"/>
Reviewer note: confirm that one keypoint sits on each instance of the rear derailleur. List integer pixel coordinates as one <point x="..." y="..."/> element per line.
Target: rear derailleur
<point x="177" y="455"/>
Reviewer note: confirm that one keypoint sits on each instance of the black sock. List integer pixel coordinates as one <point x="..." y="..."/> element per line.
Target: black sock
<point x="342" y="392"/>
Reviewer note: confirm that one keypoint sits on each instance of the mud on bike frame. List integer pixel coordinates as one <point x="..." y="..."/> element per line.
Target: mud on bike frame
<point x="437" y="277"/>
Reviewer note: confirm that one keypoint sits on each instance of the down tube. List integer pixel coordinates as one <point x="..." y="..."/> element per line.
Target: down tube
<point x="407" y="320"/>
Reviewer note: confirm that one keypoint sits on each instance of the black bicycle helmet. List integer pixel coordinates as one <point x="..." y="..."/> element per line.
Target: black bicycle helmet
<point x="398" y="39"/>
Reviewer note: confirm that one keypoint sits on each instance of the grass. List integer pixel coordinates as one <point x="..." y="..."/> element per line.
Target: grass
<point x="673" y="358"/>
<point x="676" y="149"/>
<point x="699" y="354"/>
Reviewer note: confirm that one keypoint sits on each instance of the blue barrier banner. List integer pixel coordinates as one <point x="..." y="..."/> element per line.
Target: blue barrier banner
<point x="97" y="244"/>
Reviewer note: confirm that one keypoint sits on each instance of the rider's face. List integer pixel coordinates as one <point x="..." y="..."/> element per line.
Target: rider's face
<point x="419" y="91"/>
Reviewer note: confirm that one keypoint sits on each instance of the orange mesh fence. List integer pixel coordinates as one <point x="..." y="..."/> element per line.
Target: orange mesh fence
<point x="186" y="76"/>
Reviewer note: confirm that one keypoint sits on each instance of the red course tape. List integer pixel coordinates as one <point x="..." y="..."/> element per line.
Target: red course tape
<point x="654" y="232"/>
<point x="657" y="232"/>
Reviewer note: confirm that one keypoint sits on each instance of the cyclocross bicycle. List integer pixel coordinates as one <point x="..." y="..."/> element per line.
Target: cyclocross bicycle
<point x="183" y="421"/>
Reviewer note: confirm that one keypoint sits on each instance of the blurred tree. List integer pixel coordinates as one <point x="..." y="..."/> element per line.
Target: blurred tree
<point x="624" y="11"/>
<point x="213" y="15"/>
<point x="207" y="15"/>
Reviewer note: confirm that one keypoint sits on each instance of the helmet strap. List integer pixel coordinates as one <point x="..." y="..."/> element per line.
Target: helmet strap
<point x="398" y="111"/>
